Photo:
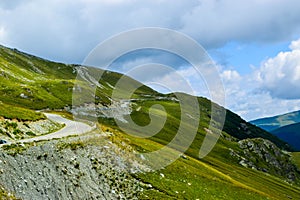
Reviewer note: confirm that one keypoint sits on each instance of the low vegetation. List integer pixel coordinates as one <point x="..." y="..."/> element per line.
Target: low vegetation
<point x="21" y="114"/>
<point x="28" y="83"/>
<point x="216" y="176"/>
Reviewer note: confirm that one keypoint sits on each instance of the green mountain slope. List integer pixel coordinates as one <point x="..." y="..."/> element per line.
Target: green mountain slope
<point x="35" y="83"/>
<point x="272" y="123"/>
<point x="30" y="83"/>
<point x="240" y="129"/>
<point x="289" y="134"/>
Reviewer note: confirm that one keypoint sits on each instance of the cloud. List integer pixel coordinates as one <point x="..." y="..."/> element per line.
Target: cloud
<point x="295" y="45"/>
<point x="245" y="97"/>
<point x="230" y="75"/>
<point x="10" y="4"/>
<point x="280" y="75"/>
<point x="67" y="30"/>
<point x="272" y="88"/>
<point x="215" y="22"/>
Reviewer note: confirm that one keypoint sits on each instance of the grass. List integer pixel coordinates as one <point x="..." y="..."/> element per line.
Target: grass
<point x="21" y="114"/>
<point x="34" y="83"/>
<point x="15" y="149"/>
<point x="73" y="145"/>
<point x="209" y="178"/>
<point x="4" y="195"/>
<point x="49" y="85"/>
<point x="296" y="158"/>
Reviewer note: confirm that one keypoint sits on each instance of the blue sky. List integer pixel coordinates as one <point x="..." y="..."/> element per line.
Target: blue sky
<point x="243" y="57"/>
<point x="255" y="44"/>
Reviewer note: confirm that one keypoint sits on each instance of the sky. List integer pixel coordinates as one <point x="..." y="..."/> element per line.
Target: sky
<point x="255" y="44"/>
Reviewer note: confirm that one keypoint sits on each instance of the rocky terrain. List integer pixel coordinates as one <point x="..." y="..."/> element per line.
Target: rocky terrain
<point x="114" y="110"/>
<point x="15" y="130"/>
<point x="86" y="167"/>
<point x="261" y="154"/>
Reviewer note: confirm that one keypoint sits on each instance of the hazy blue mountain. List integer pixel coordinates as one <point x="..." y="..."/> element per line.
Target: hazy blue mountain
<point x="289" y="134"/>
<point x="272" y="123"/>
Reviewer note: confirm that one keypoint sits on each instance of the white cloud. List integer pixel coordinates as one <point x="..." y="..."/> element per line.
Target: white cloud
<point x="230" y="76"/>
<point x="67" y="30"/>
<point x="220" y="21"/>
<point x="273" y="88"/>
<point x="280" y="75"/>
<point x="244" y="97"/>
<point x="295" y="45"/>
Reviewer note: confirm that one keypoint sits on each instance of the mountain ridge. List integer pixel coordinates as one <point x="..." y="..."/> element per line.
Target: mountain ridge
<point x="44" y="82"/>
<point x="290" y="134"/>
<point x="274" y="122"/>
<point x="241" y="164"/>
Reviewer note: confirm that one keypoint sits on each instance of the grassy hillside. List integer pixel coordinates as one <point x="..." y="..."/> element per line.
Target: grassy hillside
<point x="217" y="176"/>
<point x="34" y="83"/>
<point x="272" y="123"/>
<point x="289" y="134"/>
<point x="296" y="158"/>
<point x="28" y="83"/>
<point x="19" y="113"/>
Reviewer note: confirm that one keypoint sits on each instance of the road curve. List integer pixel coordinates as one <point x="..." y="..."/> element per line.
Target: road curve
<point x="70" y="128"/>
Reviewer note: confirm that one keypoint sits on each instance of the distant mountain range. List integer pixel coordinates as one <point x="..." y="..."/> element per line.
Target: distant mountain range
<point x="290" y="134"/>
<point x="286" y="127"/>
<point x="272" y="123"/>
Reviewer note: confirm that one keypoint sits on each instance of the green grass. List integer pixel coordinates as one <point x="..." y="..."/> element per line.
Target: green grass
<point x="186" y="179"/>
<point x="4" y="195"/>
<point x="34" y="83"/>
<point x="214" y="177"/>
<point x="15" y="149"/>
<point x="296" y="158"/>
<point x="21" y="114"/>
<point x="73" y="145"/>
<point x="218" y="176"/>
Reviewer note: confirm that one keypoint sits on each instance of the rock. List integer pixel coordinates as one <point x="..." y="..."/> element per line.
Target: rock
<point x="184" y="157"/>
<point x="256" y="151"/>
<point x="22" y="95"/>
<point x="60" y="174"/>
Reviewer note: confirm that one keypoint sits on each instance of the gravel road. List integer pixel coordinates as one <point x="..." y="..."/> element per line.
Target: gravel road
<point x="71" y="128"/>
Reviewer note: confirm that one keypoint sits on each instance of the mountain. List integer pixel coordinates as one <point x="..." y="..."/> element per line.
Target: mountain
<point x="247" y="162"/>
<point x="272" y="123"/>
<point x="289" y="134"/>
<point x="34" y="83"/>
<point x="285" y="126"/>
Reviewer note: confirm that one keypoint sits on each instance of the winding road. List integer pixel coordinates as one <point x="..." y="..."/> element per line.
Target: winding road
<point x="70" y="128"/>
